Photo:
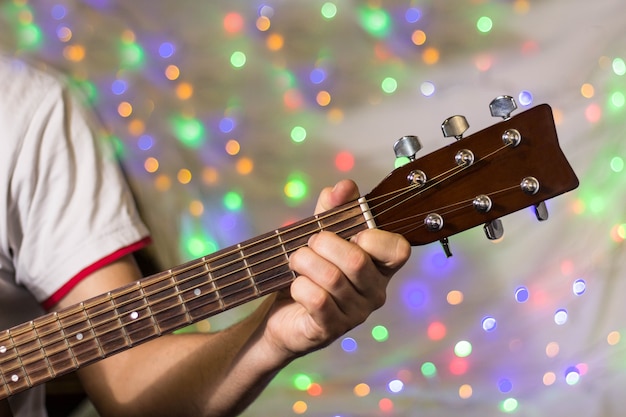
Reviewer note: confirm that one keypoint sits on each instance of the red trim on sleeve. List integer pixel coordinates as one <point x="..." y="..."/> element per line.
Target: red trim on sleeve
<point x="69" y="285"/>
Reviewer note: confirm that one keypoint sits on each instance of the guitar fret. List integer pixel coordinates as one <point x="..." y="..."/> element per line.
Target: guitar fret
<point x="248" y="270"/>
<point x="105" y="321"/>
<point x="348" y="222"/>
<point x="198" y="291"/>
<point x="68" y="348"/>
<point x="80" y="335"/>
<point x="162" y="297"/>
<point x="269" y="262"/>
<point x="52" y="341"/>
<point x="231" y="276"/>
<point x="14" y="372"/>
<point x="149" y="310"/>
<point x="40" y="370"/>
<point x="131" y="308"/>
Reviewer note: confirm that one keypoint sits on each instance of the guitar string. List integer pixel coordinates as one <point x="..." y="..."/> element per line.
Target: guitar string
<point x="193" y="277"/>
<point x="314" y="219"/>
<point x="81" y="309"/>
<point x="148" y="306"/>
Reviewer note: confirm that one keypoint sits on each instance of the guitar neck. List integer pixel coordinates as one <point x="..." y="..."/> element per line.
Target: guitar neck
<point x="57" y="343"/>
<point x="511" y="165"/>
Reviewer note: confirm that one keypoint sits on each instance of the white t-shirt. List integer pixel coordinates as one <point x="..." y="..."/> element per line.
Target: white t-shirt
<point x="65" y="209"/>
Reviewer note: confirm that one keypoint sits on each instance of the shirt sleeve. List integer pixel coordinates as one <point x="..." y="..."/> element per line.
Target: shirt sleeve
<point x="73" y="211"/>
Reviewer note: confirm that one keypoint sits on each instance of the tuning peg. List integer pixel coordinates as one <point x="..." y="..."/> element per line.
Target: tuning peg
<point x="541" y="211"/>
<point x="502" y="106"/>
<point x="407" y="146"/>
<point x="445" y="244"/>
<point x="494" y="229"/>
<point x="454" y="126"/>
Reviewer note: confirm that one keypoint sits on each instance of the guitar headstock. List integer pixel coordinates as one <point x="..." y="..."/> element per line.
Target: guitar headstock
<point x="504" y="168"/>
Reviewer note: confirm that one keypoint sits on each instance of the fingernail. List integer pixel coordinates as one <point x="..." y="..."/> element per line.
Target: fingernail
<point x="312" y="239"/>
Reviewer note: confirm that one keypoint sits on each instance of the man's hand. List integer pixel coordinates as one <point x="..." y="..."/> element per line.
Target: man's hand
<point x="340" y="282"/>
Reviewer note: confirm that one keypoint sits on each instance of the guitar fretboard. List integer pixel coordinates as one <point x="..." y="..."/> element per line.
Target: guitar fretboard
<point x="61" y="342"/>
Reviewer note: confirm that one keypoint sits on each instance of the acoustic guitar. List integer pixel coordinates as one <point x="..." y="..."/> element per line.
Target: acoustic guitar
<point x="475" y="180"/>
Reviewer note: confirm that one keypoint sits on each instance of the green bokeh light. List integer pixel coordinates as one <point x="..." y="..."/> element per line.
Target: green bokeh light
<point x="199" y="244"/>
<point x="296" y="188"/>
<point x="329" y="10"/>
<point x="380" y="333"/>
<point x="132" y="55"/>
<point x="429" y="370"/>
<point x="509" y="405"/>
<point x="617" y="164"/>
<point x="389" y="85"/>
<point x="298" y="134"/>
<point x="233" y="201"/>
<point x="484" y="24"/>
<point x="463" y="349"/>
<point x="596" y="204"/>
<point x="189" y="131"/>
<point x="29" y="37"/>
<point x="375" y="21"/>
<point x="618" y="99"/>
<point x="619" y="66"/>
<point x="302" y="382"/>
<point x="238" y="59"/>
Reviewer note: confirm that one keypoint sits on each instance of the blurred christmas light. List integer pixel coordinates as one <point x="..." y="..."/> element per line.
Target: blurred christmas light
<point x="465" y="391"/>
<point x="560" y="316"/>
<point x="463" y="349"/>
<point x="188" y="130"/>
<point x="348" y="344"/>
<point x="579" y="287"/>
<point x="484" y="24"/>
<point x="509" y="405"/>
<point x="428" y="369"/>
<point x="238" y="59"/>
<point x="489" y="324"/>
<point x="389" y="85"/>
<point x="380" y="333"/>
<point x="412" y="15"/>
<point x="375" y="21"/>
<point x="296" y="188"/>
<point x="298" y="134"/>
<point x="619" y="66"/>
<point x="521" y="294"/>
<point x="233" y="23"/>
<point x="436" y="330"/>
<point x="233" y="201"/>
<point x="166" y="50"/>
<point x="302" y="382"/>
<point x="329" y="10"/>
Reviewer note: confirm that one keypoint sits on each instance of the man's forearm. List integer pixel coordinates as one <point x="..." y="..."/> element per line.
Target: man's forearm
<point x="216" y="374"/>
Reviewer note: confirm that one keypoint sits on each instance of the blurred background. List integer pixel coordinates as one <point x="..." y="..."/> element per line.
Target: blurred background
<point x="230" y="116"/>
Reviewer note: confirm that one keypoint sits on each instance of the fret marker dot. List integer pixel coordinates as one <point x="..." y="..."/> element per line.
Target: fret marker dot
<point x="79" y="336"/>
<point x="197" y="291"/>
<point x="14" y="378"/>
<point x="3" y="349"/>
<point x="134" y="315"/>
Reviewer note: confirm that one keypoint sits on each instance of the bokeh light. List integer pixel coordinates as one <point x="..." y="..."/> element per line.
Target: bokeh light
<point x="376" y="21"/>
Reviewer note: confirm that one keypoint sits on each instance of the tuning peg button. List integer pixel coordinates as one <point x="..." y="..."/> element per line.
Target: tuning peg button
<point x="445" y="244"/>
<point x="502" y="106"/>
<point x="454" y="126"/>
<point x="541" y="211"/>
<point x="407" y="146"/>
<point x="494" y="229"/>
